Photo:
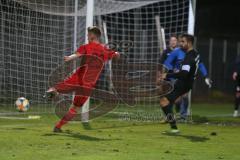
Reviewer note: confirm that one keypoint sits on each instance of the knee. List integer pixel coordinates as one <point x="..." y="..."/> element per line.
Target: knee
<point x="164" y="102"/>
<point x="79" y="101"/>
<point x="75" y="107"/>
<point x="178" y="100"/>
<point x="238" y="95"/>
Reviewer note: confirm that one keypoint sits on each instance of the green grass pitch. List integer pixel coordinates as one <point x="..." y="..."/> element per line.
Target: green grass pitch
<point x="108" y="138"/>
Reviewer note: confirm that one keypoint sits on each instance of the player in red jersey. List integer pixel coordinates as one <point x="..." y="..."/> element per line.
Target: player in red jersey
<point x="86" y="76"/>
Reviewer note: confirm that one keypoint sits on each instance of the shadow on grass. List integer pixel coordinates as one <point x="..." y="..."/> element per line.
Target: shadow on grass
<point x="125" y="125"/>
<point x="18" y="128"/>
<point x="199" y="119"/>
<point x="216" y="120"/>
<point x="79" y="136"/>
<point x="189" y="137"/>
<point x="86" y="125"/>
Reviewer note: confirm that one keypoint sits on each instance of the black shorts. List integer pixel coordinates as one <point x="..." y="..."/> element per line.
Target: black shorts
<point x="237" y="83"/>
<point x="180" y="88"/>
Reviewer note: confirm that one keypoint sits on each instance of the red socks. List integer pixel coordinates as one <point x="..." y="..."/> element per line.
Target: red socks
<point x="68" y="117"/>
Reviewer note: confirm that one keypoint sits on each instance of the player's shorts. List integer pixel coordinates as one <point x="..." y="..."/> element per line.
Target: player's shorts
<point x="79" y="83"/>
<point x="237" y="90"/>
<point x="180" y="88"/>
<point x="79" y="100"/>
<point x="77" y="79"/>
<point x="237" y="83"/>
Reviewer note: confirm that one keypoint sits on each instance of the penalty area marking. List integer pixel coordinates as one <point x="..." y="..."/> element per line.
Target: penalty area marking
<point x="21" y="118"/>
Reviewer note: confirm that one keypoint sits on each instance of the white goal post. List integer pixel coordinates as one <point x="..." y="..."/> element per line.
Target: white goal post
<point x="35" y="35"/>
<point x="191" y="25"/>
<point x="89" y="23"/>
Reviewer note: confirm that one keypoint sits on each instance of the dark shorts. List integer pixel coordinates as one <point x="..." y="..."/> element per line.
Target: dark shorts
<point x="180" y="88"/>
<point x="237" y="83"/>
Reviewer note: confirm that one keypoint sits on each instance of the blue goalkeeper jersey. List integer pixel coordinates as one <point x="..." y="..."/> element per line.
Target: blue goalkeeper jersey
<point x="174" y="60"/>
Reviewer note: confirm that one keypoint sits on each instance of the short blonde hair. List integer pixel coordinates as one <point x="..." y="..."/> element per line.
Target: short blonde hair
<point x="95" y="30"/>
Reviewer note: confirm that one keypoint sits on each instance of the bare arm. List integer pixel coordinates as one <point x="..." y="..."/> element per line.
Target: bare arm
<point x="71" y="57"/>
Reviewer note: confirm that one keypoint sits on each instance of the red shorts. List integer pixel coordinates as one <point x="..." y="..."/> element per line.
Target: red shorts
<point x="79" y="100"/>
<point x="80" y="83"/>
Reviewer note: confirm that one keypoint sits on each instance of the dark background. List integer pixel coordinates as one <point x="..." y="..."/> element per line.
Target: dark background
<point x="218" y="18"/>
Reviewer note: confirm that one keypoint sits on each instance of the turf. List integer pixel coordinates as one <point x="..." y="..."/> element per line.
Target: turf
<point x="108" y="138"/>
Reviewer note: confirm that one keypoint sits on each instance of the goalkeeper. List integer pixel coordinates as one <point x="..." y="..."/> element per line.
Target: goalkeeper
<point x="85" y="76"/>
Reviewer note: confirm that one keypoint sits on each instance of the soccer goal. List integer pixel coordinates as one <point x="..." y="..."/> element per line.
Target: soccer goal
<point x="36" y="34"/>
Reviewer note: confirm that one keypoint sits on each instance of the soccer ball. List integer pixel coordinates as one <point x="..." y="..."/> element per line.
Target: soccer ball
<point x="22" y="104"/>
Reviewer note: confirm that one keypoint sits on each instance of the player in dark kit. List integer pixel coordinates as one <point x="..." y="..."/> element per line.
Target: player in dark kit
<point x="172" y="62"/>
<point x="85" y="76"/>
<point x="236" y="78"/>
<point x="184" y="79"/>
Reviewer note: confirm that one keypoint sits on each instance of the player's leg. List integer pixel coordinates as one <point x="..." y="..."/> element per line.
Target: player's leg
<point x="77" y="104"/>
<point x="184" y="107"/>
<point x="237" y="102"/>
<point x="167" y="108"/>
<point x="68" y="85"/>
<point x="180" y="88"/>
<point x="177" y="107"/>
<point x="178" y="103"/>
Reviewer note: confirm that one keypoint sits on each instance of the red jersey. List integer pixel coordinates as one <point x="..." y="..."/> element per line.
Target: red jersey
<point x="97" y="49"/>
<point x="83" y="80"/>
<point x="95" y="53"/>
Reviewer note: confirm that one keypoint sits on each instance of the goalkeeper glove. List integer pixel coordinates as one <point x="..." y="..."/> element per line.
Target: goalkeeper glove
<point x="208" y="82"/>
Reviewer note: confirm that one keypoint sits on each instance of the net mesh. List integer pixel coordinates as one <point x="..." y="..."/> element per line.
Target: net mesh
<point x="36" y="34"/>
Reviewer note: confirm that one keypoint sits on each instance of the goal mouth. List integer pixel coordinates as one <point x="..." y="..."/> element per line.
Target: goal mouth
<point x="133" y="82"/>
<point x="36" y="35"/>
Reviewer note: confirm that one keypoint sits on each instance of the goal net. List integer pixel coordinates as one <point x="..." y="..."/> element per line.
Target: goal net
<point x="36" y="34"/>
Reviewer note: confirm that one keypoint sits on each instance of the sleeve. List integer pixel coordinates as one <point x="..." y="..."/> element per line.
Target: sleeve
<point x="163" y="57"/>
<point x="202" y="69"/>
<point x="111" y="53"/>
<point x="169" y="61"/>
<point x="81" y="50"/>
<point x="185" y="69"/>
